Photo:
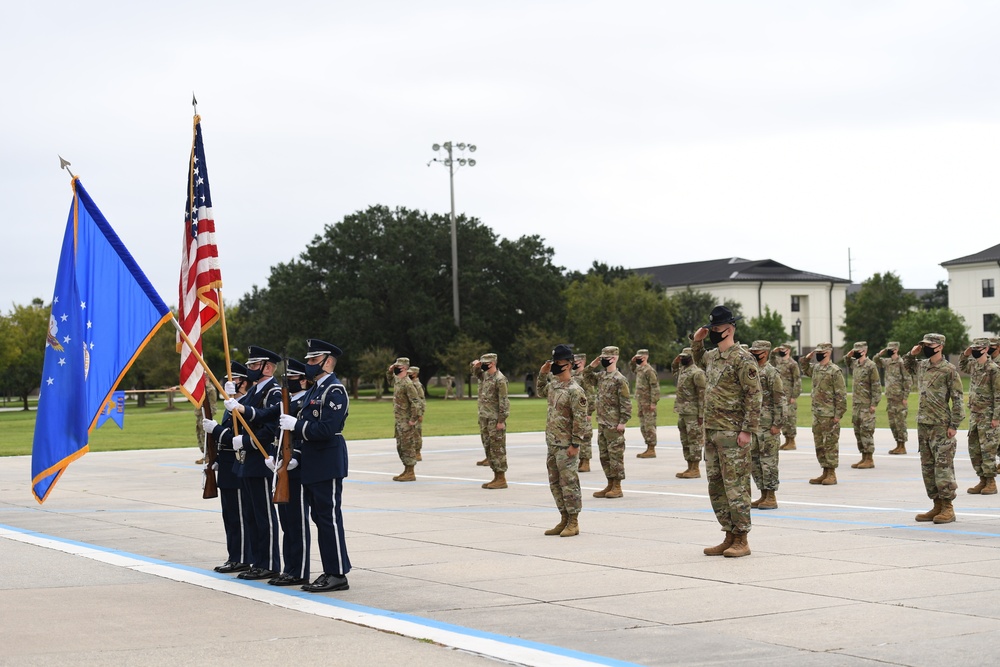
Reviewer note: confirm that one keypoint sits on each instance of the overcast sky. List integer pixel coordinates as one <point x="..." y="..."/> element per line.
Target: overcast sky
<point x="633" y="133"/>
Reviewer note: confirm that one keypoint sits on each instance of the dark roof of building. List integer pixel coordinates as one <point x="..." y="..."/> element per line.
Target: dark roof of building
<point x="733" y="269"/>
<point x="918" y="292"/>
<point x="988" y="255"/>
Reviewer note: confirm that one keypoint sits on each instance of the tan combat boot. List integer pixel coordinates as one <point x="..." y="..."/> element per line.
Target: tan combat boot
<point x="692" y="472"/>
<point x="499" y="481"/>
<point x="819" y="480"/>
<point x="650" y="453"/>
<point x="584" y="465"/>
<point x="616" y="489"/>
<point x="991" y="486"/>
<point x="719" y="549"/>
<point x="867" y="461"/>
<point x="947" y="513"/>
<point x="738" y="548"/>
<point x="419" y="457"/>
<point x="831" y="477"/>
<point x="858" y="464"/>
<point x="484" y="462"/>
<point x="405" y="476"/>
<point x="756" y="503"/>
<point x="572" y="526"/>
<point x="789" y="444"/>
<point x="930" y="514"/>
<point x="558" y="528"/>
<point x="768" y="503"/>
<point x="900" y="448"/>
<point x="603" y="492"/>
<point x="978" y="488"/>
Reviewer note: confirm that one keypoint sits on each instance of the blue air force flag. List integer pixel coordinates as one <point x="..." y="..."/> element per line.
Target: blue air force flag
<point x="114" y="409"/>
<point x="104" y="311"/>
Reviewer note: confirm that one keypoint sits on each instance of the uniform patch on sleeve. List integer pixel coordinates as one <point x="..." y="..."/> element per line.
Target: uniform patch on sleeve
<point x="751" y="373"/>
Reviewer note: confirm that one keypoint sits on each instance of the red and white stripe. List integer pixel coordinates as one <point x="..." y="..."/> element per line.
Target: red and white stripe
<point x="199" y="300"/>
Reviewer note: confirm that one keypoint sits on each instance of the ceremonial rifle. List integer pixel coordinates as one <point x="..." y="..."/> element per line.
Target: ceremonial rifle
<point x="210" y="487"/>
<point x="285" y="448"/>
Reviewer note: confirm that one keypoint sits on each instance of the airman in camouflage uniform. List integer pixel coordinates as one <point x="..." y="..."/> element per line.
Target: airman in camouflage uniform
<point x="494" y="408"/>
<point x="589" y="384"/>
<point x="647" y="394"/>
<point x="614" y="409"/>
<point x="765" y="442"/>
<point x="791" y="379"/>
<point x="829" y="403"/>
<point x="414" y="373"/>
<point x="407" y="410"/>
<point x="866" y="394"/>
<point x="995" y="349"/>
<point x="897" y="392"/>
<point x="984" y="413"/>
<point x="689" y="404"/>
<point x="938" y="417"/>
<point x="732" y="415"/>
<point x="566" y="428"/>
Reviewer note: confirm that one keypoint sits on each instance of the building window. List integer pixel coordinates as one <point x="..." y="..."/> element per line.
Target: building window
<point x="795" y="302"/>
<point x="987" y="288"/>
<point x="990" y="322"/>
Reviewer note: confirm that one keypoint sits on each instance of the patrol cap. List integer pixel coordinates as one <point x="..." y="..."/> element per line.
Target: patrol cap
<point x="256" y="354"/>
<point x="579" y="356"/>
<point x="642" y="353"/>
<point x="995" y="340"/>
<point x="825" y="347"/>
<point x="933" y="339"/>
<point x="488" y="358"/>
<point x="401" y="361"/>
<point x="294" y="367"/>
<point x="687" y="352"/>
<point x="892" y="345"/>
<point x="980" y="342"/>
<point x="721" y="315"/>
<point x="414" y="370"/>
<point x="760" y="345"/>
<point x="237" y="370"/>
<point x="861" y="345"/>
<point x="317" y="348"/>
<point x="562" y="352"/>
<point x="609" y="351"/>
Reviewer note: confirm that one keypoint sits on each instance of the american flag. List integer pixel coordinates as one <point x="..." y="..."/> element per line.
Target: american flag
<point x="200" y="274"/>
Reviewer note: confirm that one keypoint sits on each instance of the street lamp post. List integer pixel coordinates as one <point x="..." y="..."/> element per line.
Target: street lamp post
<point x="798" y="333"/>
<point x="451" y="162"/>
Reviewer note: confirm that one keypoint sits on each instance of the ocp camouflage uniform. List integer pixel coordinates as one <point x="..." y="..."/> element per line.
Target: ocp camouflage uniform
<point x="898" y="382"/>
<point x="566" y="423"/>
<point x="614" y="407"/>
<point x="647" y="393"/>
<point x="941" y="408"/>
<point x="984" y="407"/>
<point x="406" y="407"/>
<point x="764" y="445"/>
<point x="689" y="404"/>
<point x="791" y="380"/>
<point x="865" y="394"/>
<point x="732" y="405"/>
<point x="829" y="403"/>
<point x="494" y="408"/>
<point x="589" y="384"/>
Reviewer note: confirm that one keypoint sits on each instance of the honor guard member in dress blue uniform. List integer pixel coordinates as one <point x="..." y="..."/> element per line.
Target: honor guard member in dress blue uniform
<point x="235" y="511"/>
<point x="293" y="515"/>
<point x="318" y="429"/>
<point x="261" y="407"/>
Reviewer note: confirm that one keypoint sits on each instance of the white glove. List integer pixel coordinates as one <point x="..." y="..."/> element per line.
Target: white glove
<point x="293" y="464"/>
<point x="231" y="404"/>
<point x="209" y="425"/>
<point x="231" y="388"/>
<point x="239" y="442"/>
<point x="215" y="466"/>
<point x="287" y="422"/>
<point x="269" y="462"/>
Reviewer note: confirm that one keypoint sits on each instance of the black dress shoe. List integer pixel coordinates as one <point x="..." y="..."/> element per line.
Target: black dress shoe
<point x="327" y="582"/>
<point x="287" y="580"/>
<point x="255" y="573"/>
<point x="232" y="566"/>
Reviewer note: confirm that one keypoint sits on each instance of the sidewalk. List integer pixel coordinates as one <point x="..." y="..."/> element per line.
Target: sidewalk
<point x="839" y="575"/>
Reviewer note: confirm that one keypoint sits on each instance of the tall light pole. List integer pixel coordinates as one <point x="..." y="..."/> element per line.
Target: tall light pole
<point x="451" y="162"/>
<point x="798" y="333"/>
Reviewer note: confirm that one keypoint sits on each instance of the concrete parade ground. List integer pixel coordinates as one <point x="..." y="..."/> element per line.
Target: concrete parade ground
<point x="116" y="568"/>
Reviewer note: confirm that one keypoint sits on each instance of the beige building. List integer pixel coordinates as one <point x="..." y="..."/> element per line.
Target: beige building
<point x="814" y="301"/>
<point x="972" y="290"/>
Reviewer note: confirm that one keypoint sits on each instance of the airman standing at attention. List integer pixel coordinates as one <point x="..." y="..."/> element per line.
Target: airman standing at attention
<point x="897" y="393"/>
<point x="614" y="409"/>
<point x="589" y="385"/>
<point x="829" y="403"/>
<point x="414" y="374"/>
<point x="689" y="404"/>
<point x="984" y="414"/>
<point x="865" y="396"/>
<point x="938" y="417"/>
<point x="494" y="408"/>
<point x="647" y="394"/>
<point x="791" y="379"/>
<point x="764" y="446"/>
<point x="407" y="410"/>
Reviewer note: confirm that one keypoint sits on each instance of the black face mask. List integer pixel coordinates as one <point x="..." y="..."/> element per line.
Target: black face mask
<point x="856" y="354"/>
<point x="605" y="362"/>
<point x="396" y="370"/>
<point x="759" y="357"/>
<point x="929" y="351"/>
<point x="577" y="365"/>
<point x="557" y="368"/>
<point x="686" y="361"/>
<point x="312" y="370"/>
<point x="890" y="353"/>
<point x="820" y="356"/>
<point x="716" y="336"/>
<point x="781" y="353"/>
<point x="484" y="367"/>
<point x="638" y="362"/>
<point x="294" y="384"/>
<point x="977" y="353"/>
<point x="253" y="376"/>
<point x="992" y="350"/>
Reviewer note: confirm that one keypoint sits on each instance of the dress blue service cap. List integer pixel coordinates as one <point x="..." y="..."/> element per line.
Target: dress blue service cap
<point x="317" y="348"/>
<point x="237" y="370"/>
<point x="256" y="354"/>
<point x="295" y="367"/>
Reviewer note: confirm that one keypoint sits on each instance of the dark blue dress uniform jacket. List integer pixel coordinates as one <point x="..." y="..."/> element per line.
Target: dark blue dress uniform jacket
<point x="318" y="431"/>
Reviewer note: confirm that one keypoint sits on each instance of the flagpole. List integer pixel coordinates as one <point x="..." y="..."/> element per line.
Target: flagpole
<point x="237" y="415"/>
